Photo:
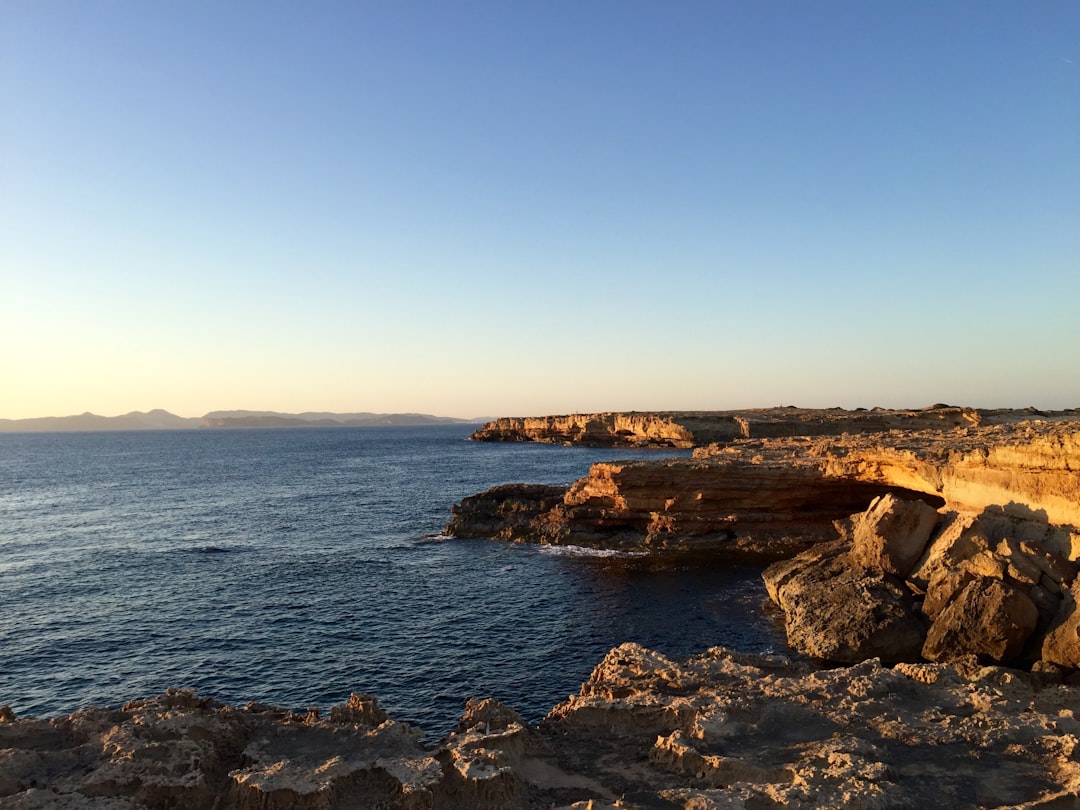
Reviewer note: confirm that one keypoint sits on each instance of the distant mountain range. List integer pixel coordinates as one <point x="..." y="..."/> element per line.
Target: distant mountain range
<point x="163" y="420"/>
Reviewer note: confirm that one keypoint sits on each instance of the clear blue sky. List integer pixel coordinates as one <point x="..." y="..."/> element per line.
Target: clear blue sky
<point x="485" y="208"/>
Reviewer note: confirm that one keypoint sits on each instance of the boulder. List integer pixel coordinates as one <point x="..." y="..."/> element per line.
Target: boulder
<point x="892" y="534"/>
<point x="779" y="574"/>
<point x="960" y="536"/>
<point x="845" y="614"/>
<point x="987" y="617"/>
<point x="945" y="585"/>
<point x="1062" y="642"/>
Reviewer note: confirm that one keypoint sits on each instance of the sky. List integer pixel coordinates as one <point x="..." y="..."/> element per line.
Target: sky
<point x="491" y="208"/>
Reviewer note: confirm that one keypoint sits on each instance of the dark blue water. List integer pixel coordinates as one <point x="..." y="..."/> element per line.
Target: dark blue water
<point x="295" y="566"/>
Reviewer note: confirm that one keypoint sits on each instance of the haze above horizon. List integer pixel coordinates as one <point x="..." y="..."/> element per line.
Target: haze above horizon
<point x="472" y="208"/>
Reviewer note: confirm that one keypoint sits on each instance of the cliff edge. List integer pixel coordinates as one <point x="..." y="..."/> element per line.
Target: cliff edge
<point x="767" y="499"/>
<point x="685" y="429"/>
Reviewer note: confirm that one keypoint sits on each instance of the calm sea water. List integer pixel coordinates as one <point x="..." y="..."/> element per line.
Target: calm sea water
<point x="295" y="566"/>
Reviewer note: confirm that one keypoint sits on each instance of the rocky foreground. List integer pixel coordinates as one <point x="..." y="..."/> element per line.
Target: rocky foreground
<point x="720" y="730"/>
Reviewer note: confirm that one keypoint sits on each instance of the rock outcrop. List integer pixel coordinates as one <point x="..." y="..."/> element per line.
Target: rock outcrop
<point x="719" y="730"/>
<point x="745" y="510"/>
<point x="983" y="592"/>
<point x="762" y="499"/>
<point x="696" y="428"/>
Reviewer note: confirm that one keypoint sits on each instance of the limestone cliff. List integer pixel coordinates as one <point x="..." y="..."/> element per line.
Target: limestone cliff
<point x="720" y="730"/>
<point x="695" y="428"/>
<point x="769" y="498"/>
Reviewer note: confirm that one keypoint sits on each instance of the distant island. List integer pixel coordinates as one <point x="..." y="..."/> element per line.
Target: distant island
<point x="163" y="420"/>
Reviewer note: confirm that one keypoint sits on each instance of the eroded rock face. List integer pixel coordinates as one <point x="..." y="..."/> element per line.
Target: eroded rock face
<point x="725" y="730"/>
<point x="892" y="534"/>
<point x="1062" y="643"/>
<point x="839" y="611"/>
<point x="986" y="617"/>
<point x="506" y="512"/>
<point x="765" y="499"/>
<point x="734" y="507"/>
<point x="696" y="428"/>
<point x="989" y="594"/>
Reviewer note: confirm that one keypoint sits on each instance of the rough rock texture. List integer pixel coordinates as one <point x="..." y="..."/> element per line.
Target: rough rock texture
<point x="720" y="730"/>
<point x="768" y="499"/>
<point x="989" y="594"/>
<point x="695" y="428"/>
<point x="987" y="617"/>
<point x="839" y="611"/>
<point x="1026" y="471"/>
<point x="723" y="730"/>
<point x="892" y="534"/>
<point x="723" y="507"/>
<point x="1062" y="643"/>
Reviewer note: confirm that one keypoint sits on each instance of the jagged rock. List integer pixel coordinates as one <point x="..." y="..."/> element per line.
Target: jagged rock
<point x="892" y="534"/>
<point x="718" y="730"/>
<point x="836" y="611"/>
<point x="690" y="428"/>
<point x="1062" y="642"/>
<point x="779" y="574"/>
<point x="730" y="507"/>
<point x="959" y="537"/>
<point x="945" y="585"/>
<point x="505" y="512"/>
<point x="489" y="713"/>
<point x="767" y="499"/>
<point x="986" y="617"/>
<point x="723" y="730"/>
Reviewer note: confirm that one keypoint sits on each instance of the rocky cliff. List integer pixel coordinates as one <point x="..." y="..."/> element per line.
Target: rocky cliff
<point x="901" y="545"/>
<point x="749" y="511"/>
<point x="686" y="429"/>
<point x="769" y="498"/>
<point x="720" y="730"/>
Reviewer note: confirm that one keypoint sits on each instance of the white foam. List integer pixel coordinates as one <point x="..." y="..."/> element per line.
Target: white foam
<point x="583" y="551"/>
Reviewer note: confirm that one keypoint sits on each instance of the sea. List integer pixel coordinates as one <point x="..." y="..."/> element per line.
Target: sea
<point x="295" y="566"/>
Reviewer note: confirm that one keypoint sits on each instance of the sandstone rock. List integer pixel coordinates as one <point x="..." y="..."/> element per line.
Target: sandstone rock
<point x="767" y="499"/>
<point x="696" y="428"/>
<point x="718" y="730"/>
<point x="730" y="507"/>
<point x="489" y="713"/>
<point x="986" y="564"/>
<point x="988" y="617"/>
<point x="506" y="512"/>
<point x="892" y="534"/>
<point x="1062" y="642"/>
<point x="945" y="585"/>
<point x="959" y="537"/>
<point x="779" y="574"/>
<point x="843" y="613"/>
<point x="736" y="734"/>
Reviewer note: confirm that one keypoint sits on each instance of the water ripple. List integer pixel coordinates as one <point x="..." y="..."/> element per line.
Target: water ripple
<point x="295" y="566"/>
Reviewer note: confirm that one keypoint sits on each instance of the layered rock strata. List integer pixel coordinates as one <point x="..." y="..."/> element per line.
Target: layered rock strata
<point x="719" y="730"/>
<point x="762" y="499"/>
<point x="695" y="428"/>
<point x="725" y="508"/>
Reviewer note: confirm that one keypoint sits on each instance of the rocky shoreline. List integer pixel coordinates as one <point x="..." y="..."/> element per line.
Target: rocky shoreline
<point x="719" y="730"/>
<point x="686" y="429"/>
<point x="928" y="558"/>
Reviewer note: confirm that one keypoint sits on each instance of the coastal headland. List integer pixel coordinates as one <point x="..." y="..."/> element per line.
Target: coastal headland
<point x="925" y="565"/>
